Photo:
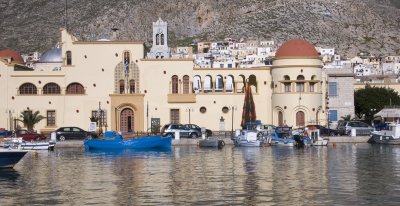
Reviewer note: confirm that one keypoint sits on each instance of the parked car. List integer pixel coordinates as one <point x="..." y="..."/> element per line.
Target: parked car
<point x="323" y="131"/>
<point x="187" y="130"/>
<point x="64" y="133"/>
<point x="345" y="127"/>
<point x="27" y="135"/>
<point x="198" y="129"/>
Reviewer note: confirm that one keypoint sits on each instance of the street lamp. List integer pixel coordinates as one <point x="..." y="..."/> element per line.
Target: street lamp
<point x="232" y="108"/>
<point x="99" y="114"/>
<point x="189" y="109"/>
<point x="373" y="110"/>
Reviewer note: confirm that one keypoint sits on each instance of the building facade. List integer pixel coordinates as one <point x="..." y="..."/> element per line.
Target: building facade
<point x="128" y="91"/>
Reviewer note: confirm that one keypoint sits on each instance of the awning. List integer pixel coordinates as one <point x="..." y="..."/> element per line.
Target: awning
<point x="389" y="112"/>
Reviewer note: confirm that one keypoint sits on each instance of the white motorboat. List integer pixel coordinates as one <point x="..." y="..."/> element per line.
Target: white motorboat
<point x="248" y="138"/>
<point x="316" y="139"/>
<point x="390" y="136"/>
<point x="14" y="142"/>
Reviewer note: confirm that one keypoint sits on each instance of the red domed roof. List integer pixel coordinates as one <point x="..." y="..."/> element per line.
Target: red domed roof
<point x="16" y="57"/>
<point x="296" y="48"/>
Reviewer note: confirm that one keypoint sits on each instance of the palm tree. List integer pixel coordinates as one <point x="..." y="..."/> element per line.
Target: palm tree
<point x="30" y="118"/>
<point x="346" y="117"/>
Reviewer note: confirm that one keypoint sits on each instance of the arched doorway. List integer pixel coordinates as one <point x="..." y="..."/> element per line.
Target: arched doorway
<point x="127" y="120"/>
<point x="280" y="118"/>
<point x="300" y="119"/>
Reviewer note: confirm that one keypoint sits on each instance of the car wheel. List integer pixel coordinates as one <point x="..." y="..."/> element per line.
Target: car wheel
<point x="193" y="135"/>
<point x="89" y="136"/>
<point x="348" y="133"/>
<point x="62" y="138"/>
<point x="37" y="138"/>
<point x="170" y="135"/>
<point x="332" y="134"/>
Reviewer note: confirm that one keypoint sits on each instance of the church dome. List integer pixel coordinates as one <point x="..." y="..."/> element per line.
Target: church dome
<point x="296" y="48"/>
<point x="53" y="55"/>
<point x="16" y="57"/>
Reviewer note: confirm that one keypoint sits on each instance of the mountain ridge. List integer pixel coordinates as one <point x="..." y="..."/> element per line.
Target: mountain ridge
<point x="346" y="25"/>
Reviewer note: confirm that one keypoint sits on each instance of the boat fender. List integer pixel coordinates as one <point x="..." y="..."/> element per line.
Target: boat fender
<point x="221" y="144"/>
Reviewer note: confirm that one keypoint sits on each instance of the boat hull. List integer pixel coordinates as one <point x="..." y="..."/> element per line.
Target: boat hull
<point x="136" y="143"/>
<point x="37" y="146"/>
<point x="383" y="139"/>
<point x="8" y="158"/>
<point x="246" y="143"/>
<point x="319" y="143"/>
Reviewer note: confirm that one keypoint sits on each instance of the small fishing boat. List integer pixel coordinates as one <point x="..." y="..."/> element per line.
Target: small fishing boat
<point x="314" y="135"/>
<point x="10" y="156"/>
<point x="390" y="136"/>
<point x="283" y="137"/>
<point x="252" y="136"/>
<point x="114" y="141"/>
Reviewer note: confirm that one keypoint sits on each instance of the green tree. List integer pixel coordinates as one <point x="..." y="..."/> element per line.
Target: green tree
<point x="370" y="100"/>
<point x="30" y="118"/>
<point x="346" y="117"/>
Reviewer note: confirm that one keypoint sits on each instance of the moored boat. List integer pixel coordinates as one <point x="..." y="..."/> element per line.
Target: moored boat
<point x="13" y="142"/>
<point x="9" y="157"/>
<point x="283" y="137"/>
<point x="251" y="136"/>
<point x="314" y="135"/>
<point x="390" y="136"/>
<point x="113" y="141"/>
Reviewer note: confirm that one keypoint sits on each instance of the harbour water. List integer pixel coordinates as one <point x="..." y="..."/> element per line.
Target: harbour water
<point x="348" y="174"/>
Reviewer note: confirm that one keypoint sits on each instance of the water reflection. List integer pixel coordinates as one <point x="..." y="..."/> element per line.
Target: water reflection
<point x="343" y="175"/>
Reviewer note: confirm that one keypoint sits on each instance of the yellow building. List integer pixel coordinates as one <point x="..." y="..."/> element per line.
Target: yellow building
<point x="133" y="92"/>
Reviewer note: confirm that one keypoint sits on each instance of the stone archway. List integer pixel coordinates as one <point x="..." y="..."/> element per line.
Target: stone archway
<point x="127" y="120"/>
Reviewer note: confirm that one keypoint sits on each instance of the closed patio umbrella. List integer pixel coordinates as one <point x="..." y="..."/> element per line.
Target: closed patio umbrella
<point x="249" y="108"/>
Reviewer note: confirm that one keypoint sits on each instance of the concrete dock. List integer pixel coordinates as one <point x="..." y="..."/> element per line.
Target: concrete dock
<point x="228" y="141"/>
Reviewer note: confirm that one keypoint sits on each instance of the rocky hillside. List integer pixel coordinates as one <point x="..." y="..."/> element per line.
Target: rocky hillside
<point x="349" y="26"/>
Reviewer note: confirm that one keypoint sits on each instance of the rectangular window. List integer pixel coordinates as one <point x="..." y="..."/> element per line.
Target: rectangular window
<point x="300" y="87"/>
<point x="332" y="90"/>
<point x="51" y="118"/>
<point x="287" y="87"/>
<point x="312" y="87"/>
<point x="174" y="116"/>
<point x="332" y="116"/>
<point x="229" y="65"/>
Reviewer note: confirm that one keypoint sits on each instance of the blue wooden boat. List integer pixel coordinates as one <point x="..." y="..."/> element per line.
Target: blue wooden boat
<point x="113" y="141"/>
<point x="10" y="157"/>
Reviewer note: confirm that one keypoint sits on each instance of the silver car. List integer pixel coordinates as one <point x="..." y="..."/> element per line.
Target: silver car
<point x="362" y="128"/>
<point x="184" y="131"/>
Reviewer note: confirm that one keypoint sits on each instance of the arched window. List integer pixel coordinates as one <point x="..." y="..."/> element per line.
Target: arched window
<point x="312" y="84"/>
<point x="287" y="85"/>
<point x="186" y="84"/>
<point x="253" y="80"/>
<point x="75" y="88"/>
<point x="219" y="84"/>
<point x="127" y="60"/>
<point x="207" y="84"/>
<point x="162" y="39"/>
<point x="174" y="84"/>
<point x="197" y="84"/>
<point x="300" y="83"/>
<point x="241" y="84"/>
<point x="27" y="88"/>
<point x="121" y="86"/>
<point x="51" y="88"/>
<point x="300" y="119"/>
<point x="157" y="39"/>
<point x="229" y="86"/>
<point x="132" y="86"/>
<point x="69" y="57"/>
